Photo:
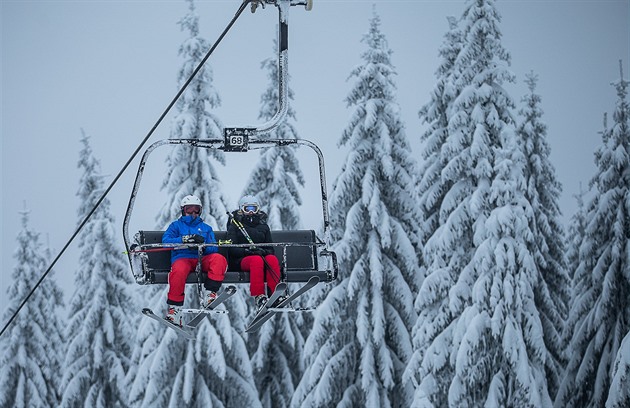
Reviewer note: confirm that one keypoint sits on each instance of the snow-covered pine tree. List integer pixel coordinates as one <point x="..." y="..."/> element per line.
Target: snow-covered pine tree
<point x="360" y="340"/>
<point x="432" y="187"/>
<point x="33" y="345"/>
<point x="600" y="314"/>
<point x="215" y="370"/>
<point x="543" y="192"/>
<point x="277" y="350"/>
<point x="498" y="350"/>
<point x="480" y="341"/>
<point x="191" y="170"/>
<point x="582" y="299"/>
<point x="575" y="234"/>
<point x="432" y="190"/>
<point x="56" y="334"/>
<point x="619" y="392"/>
<point x="99" y="329"/>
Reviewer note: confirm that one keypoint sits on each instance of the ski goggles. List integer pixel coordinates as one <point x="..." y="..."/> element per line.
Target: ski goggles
<point x="250" y="208"/>
<point x="192" y="209"/>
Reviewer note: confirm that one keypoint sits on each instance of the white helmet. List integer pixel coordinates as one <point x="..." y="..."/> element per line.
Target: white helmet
<point x="249" y="204"/>
<point x="191" y="200"/>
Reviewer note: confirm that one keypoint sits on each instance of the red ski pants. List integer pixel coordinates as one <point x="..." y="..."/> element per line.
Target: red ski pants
<point x="214" y="265"/>
<point x="258" y="271"/>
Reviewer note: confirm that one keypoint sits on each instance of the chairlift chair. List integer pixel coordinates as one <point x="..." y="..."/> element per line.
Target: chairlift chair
<point x="303" y="256"/>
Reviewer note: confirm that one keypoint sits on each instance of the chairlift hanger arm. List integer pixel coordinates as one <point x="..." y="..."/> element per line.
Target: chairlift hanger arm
<point x="283" y="68"/>
<point x="283" y="60"/>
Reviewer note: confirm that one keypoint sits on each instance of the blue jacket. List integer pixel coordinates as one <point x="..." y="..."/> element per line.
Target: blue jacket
<point x="186" y="225"/>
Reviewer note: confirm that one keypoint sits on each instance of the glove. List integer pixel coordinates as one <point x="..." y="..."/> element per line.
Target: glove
<point x="193" y="239"/>
<point x="252" y="250"/>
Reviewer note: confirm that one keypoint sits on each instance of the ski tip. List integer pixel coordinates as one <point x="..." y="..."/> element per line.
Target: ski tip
<point x="252" y="329"/>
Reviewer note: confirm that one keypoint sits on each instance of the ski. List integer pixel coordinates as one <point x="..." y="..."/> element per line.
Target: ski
<point x="290" y="309"/>
<point x="203" y="311"/>
<point x="267" y="313"/>
<point x="180" y="330"/>
<point x="223" y="296"/>
<point x="281" y="288"/>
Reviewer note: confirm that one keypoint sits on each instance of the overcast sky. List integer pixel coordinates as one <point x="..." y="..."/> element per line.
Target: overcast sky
<point x="110" y="67"/>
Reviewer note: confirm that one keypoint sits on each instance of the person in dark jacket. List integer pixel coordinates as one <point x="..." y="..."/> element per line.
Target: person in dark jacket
<point x="260" y="261"/>
<point x="190" y="229"/>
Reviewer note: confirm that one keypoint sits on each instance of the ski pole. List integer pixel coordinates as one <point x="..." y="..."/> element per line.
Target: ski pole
<point x="137" y="251"/>
<point x="160" y="249"/>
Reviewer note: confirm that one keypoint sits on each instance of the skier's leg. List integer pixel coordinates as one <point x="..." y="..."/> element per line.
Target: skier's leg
<point x="273" y="275"/>
<point x="254" y="264"/>
<point x="177" y="280"/>
<point x="215" y="265"/>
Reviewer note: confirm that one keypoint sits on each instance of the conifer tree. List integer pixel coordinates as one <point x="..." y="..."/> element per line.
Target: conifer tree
<point x="360" y="342"/>
<point x="619" y="394"/>
<point x="215" y="370"/>
<point x="498" y="349"/>
<point x="99" y="329"/>
<point x="432" y="189"/>
<point x="33" y="345"/>
<point x="53" y="295"/>
<point x="478" y="339"/>
<point x="575" y="235"/>
<point x="600" y="314"/>
<point x="543" y="192"/>
<point x="191" y="170"/>
<point x="277" y="348"/>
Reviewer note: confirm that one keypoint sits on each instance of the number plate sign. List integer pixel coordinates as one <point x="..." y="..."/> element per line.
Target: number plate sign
<point x="237" y="139"/>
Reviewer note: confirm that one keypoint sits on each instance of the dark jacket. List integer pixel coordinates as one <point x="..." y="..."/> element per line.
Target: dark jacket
<point x="186" y="225"/>
<point x="257" y="229"/>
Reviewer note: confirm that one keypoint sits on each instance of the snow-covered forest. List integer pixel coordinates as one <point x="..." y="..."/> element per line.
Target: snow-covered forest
<point x="459" y="284"/>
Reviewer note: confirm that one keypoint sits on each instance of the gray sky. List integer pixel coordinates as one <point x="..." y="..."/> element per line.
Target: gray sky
<point x="110" y="67"/>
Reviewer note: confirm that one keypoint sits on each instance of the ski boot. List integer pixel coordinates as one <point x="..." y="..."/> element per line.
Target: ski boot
<point x="174" y="315"/>
<point x="210" y="297"/>
<point x="261" y="301"/>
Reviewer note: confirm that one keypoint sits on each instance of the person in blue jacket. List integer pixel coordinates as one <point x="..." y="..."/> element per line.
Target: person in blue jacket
<point x="190" y="229"/>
